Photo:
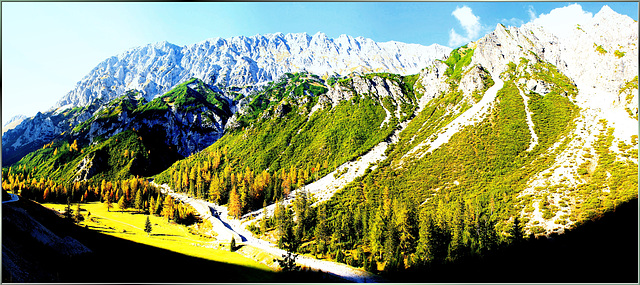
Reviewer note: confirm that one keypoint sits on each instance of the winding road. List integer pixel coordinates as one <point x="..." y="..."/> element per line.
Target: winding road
<point x="227" y="228"/>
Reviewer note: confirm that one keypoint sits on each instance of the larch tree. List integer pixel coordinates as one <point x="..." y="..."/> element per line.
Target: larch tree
<point x="122" y="203"/>
<point x="235" y="206"/>
<point x="108" y="204"/>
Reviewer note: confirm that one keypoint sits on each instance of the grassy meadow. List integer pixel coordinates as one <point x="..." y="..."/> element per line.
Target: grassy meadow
<point x="129" y="225"/>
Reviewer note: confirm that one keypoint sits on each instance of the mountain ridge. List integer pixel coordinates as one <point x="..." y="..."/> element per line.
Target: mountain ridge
<point x="244" y="61"/>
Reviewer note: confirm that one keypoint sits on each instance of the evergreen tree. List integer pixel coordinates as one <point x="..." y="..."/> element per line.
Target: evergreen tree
<point x="139" y="203"/>
<point x="322" y="231"/>
<point x="371" y="265"/>
<point x="232" y="244"/>
<point x="339" y="255"/>
<point x="457" y="245"/>
<point x="147" y="226"/>
<point x="301" y="208"/>
<point x="158" y="206"/>
<point x="68" y="212"/>
<point x="78" y="216"/>
<point x="376" y="232"/>
<point x="409" y="230"/>
<point x="391" y="244"/>
<point x="516" y="231"/>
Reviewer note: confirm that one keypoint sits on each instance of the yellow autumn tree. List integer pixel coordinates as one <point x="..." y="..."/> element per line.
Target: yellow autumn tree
<point x="235" y="206"/>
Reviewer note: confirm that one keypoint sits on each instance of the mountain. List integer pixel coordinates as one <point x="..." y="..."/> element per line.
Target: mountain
<point x="13" y="122"/>
<point x="517" y="136"/>
<point x="245" y="61"/>
<point x="130" y="136"/>
<point x="227" y="66"/>
<point x="303" y="127"/>
<point x="32" y="133"/>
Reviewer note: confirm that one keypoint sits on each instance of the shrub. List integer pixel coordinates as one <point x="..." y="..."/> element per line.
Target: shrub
<point x="601" y="50"/>
<point x="537" y="230"/>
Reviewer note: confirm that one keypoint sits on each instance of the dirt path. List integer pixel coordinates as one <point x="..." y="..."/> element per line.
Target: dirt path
<point x="227" y="227"/>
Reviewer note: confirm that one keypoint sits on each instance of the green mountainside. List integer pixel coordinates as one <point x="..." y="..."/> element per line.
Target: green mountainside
<point x="479" y="154"/>
<point x="127" y="137"/>
<point x="289" y="135"/>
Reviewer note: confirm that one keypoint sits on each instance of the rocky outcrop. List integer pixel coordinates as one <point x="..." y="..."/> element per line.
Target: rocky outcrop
<point x="475" y="78"/>
<point x="90" y="166"/>
<point x="431" y="82"/>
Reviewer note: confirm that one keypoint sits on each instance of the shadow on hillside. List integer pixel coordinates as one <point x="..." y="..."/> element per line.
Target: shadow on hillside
<point x="600" y="251"/>
<point x="114" y="260"/>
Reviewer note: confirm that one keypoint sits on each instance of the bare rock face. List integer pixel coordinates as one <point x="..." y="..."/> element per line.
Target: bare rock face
<point x="339" y="93"/>
<point x="432" y="82"/>
<point x="538" y="86"/>
<point x="473" y="79"/>
<point x="243" y="61"/>
<point x="89" y="166"/>
<point x="282" y="110"/>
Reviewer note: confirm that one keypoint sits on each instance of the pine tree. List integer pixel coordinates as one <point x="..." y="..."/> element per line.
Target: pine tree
<point x="68" y="212"/>
<point x="78" y="216"/>
<point x="232" y="244"/>
<point x="516" y="231"/>
<point x="376" y="233"/>
<point x="409" y="231"/>
<point x="322" y="231"/>
<point x="301" y="208"/>
<point x="147" y="226"/>
<point x="139" y="203"/>
<point x="339" y="255"/>
<point x="158" y="205"/>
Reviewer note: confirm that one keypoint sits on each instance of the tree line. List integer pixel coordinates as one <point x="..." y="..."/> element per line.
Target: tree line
<point x="128" y="194"/>
<point x="243" y="190"/>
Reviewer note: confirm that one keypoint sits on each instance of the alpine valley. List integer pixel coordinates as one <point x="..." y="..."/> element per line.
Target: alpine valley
<point x="404" y="162"/>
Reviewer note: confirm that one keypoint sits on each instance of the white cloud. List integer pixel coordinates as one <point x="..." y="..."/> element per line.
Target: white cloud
<point x="468" y="21"/>
<point x="532" y="13"/>
<point x="561" y="21"/>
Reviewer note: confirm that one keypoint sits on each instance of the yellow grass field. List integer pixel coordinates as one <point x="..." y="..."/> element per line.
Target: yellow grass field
<point x="170" y="236"/>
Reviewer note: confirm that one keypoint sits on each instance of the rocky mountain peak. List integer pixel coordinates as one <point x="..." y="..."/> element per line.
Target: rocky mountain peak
<point x="244" y="61"/>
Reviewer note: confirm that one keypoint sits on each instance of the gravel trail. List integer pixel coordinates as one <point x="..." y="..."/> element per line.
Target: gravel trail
<point x="227" y="227"/>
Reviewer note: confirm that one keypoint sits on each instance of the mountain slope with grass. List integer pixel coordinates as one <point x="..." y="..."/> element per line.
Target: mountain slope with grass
<point x="226" y="66"/>
<point x="471" y="174"/>
<point x="131" y="137"/>
<point x="296" y="130"/>
<point x="516" y="137"/>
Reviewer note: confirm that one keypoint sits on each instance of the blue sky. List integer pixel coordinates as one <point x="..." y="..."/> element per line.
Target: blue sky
<point x="48" y="47"/>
